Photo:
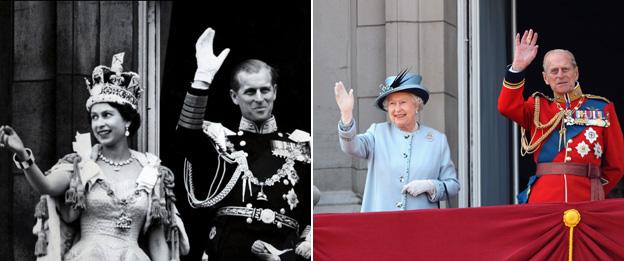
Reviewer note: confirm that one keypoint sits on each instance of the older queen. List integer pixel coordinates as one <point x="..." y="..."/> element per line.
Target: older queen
<point x="409" y="164"/>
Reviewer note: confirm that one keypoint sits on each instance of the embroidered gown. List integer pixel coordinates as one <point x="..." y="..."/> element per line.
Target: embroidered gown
<point x="116" y="213"/>
<point x="100" y="239"/>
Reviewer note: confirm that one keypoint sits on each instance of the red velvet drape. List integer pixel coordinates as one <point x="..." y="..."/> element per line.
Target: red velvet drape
<point x="520" y="232"/>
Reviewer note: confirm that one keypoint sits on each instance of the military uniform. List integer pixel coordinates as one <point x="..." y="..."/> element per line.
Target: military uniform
<point x="575" y="139"/>
<point x="255" y="182"/>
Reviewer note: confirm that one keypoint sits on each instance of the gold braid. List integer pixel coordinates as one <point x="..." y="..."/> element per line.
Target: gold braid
<point x="531" y="147"/>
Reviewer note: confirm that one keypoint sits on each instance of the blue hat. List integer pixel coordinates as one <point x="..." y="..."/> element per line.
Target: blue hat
<point x="404" y="82"/>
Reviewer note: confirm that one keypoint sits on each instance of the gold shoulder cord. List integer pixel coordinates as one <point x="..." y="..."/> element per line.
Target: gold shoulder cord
<point x="532" y="146"/>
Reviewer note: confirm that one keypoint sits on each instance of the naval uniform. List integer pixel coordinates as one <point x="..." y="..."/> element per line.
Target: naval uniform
<point x="255" y="182"/>
<point x="576" y="141"/>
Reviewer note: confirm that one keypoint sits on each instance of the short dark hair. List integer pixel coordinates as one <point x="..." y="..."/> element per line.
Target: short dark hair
<point x="251" y="66"/>
<point x="127" y="113"/>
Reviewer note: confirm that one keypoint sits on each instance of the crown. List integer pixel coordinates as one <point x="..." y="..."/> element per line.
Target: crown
<point x="113" y="85"/>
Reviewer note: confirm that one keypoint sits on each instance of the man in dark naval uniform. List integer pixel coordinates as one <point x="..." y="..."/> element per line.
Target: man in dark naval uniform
<point x="254" y="182"/>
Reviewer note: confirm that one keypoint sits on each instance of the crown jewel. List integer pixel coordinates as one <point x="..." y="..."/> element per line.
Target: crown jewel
<point x="114" y="85"/>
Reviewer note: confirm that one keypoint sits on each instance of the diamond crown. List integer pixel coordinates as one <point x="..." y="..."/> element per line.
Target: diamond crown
<point x="114" y="85"/>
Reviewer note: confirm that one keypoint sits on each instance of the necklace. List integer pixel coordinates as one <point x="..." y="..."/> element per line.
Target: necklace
<point x="124" y="222"/>
<point x="116" y="165"/>
<point x="287" y="170"/>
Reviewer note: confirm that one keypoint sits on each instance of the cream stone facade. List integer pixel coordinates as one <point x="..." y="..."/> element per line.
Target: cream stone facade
<point x="360" y="42"/>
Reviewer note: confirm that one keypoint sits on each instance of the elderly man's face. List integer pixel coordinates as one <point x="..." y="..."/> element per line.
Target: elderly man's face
<point x="560" y="73"/>
<point x="255" y="96"/>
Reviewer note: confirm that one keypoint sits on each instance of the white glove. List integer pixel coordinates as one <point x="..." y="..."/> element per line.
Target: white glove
<point x="262" y="251"/>
<point x="207" y="63"/>
<point x="419" y="186"/>
<point x="304" y="249"/>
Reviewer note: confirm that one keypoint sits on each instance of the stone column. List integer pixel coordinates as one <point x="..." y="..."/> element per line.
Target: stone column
<point x="421" y="35"/>
<point x="6" y="174"/>
<point x="32" y="108"/>
<point x="370" y="70"/>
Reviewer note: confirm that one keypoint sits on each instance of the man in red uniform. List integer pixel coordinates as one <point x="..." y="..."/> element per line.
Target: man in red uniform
<point x="575" y="137"/>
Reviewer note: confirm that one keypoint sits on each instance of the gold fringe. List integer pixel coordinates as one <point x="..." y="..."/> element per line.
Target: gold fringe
<point x="41" y="247"/>
<point x="79" y="199"/>
<point x="41" y="213"/>
<point x="41" y="210"/>
<point x="70" y="194"/>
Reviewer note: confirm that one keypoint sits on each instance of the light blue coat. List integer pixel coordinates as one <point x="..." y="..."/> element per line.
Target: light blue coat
<point x="395" y="158"/>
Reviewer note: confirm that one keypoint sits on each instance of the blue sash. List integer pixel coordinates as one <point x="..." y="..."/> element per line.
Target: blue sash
<point x="550" y="147"/>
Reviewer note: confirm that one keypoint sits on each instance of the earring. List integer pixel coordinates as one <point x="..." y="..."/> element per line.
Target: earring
<point x="127" y="132"/>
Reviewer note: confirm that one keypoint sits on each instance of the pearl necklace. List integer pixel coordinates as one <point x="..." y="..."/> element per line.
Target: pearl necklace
<point x="116" y="165"/>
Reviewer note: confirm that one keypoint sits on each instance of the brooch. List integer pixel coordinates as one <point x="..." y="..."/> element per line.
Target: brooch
<point x="582" y="149"/>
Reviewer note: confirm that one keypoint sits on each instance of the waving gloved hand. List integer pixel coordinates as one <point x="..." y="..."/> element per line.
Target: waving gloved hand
<point x="207" y="63"/>
<point x="419" y="186"/>
<point x="262" y="251"/>
<point x="345" y="102"/>
<point x="304" y="249"/>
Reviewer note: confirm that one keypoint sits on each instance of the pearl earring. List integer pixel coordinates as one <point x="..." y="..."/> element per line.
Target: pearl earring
<point x="127" y="132"/>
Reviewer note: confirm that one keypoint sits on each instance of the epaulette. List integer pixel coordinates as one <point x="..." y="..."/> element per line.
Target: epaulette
<point x="543" y="96"/>
<point x="596" y="97"/>
<point x="218" y="133"/>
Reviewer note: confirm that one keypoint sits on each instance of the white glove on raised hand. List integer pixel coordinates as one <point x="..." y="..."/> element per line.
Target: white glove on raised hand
<point x="207" y="63"/>
<point x="345" y="102"/>
<point x="304" y="249"/>
<point x="419" y="186"/>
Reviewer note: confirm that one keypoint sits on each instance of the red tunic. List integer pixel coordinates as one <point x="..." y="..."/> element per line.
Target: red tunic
<point x="588" y="144"/>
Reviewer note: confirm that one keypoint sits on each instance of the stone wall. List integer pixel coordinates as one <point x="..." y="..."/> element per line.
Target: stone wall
<point x="42" y="91"/>
<point x="360" y="42"/>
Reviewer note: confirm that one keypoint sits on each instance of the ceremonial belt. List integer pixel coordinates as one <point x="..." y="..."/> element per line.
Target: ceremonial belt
<point x="266" y="215"/>
<point x="577" y="169"/>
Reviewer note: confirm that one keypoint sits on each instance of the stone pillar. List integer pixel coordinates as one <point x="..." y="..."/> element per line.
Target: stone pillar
<point x="6" y="174"/>
<point x="421" y="36"/>
<point x="49" y="48"/>
<point x="370" y="71"/>
<point x="360" y="42"/>
<point x="32" y="108"/>
<point x="332" y="63"/>
<point x="88" y="34"/>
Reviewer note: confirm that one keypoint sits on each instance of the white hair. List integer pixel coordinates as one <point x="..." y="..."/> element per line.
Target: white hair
<point x="559" y="51"/>
<point x="417" y="100"/>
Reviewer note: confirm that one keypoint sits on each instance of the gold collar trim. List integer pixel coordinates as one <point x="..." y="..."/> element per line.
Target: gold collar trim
<point x="573" y="95"/>
<point x="269" y="126"/>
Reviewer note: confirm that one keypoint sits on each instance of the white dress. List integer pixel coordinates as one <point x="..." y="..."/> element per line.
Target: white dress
<point x="114" y="214"/>
<point x="100" y="236"/>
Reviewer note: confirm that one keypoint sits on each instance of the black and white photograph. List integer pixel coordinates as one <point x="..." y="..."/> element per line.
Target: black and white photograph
<point x="311" y="130"/>
<point x="134" y="130"/>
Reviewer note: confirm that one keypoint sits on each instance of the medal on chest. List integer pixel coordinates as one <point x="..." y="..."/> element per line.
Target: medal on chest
<point x="286" y="174"/>
<point x="589" y="117"/>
